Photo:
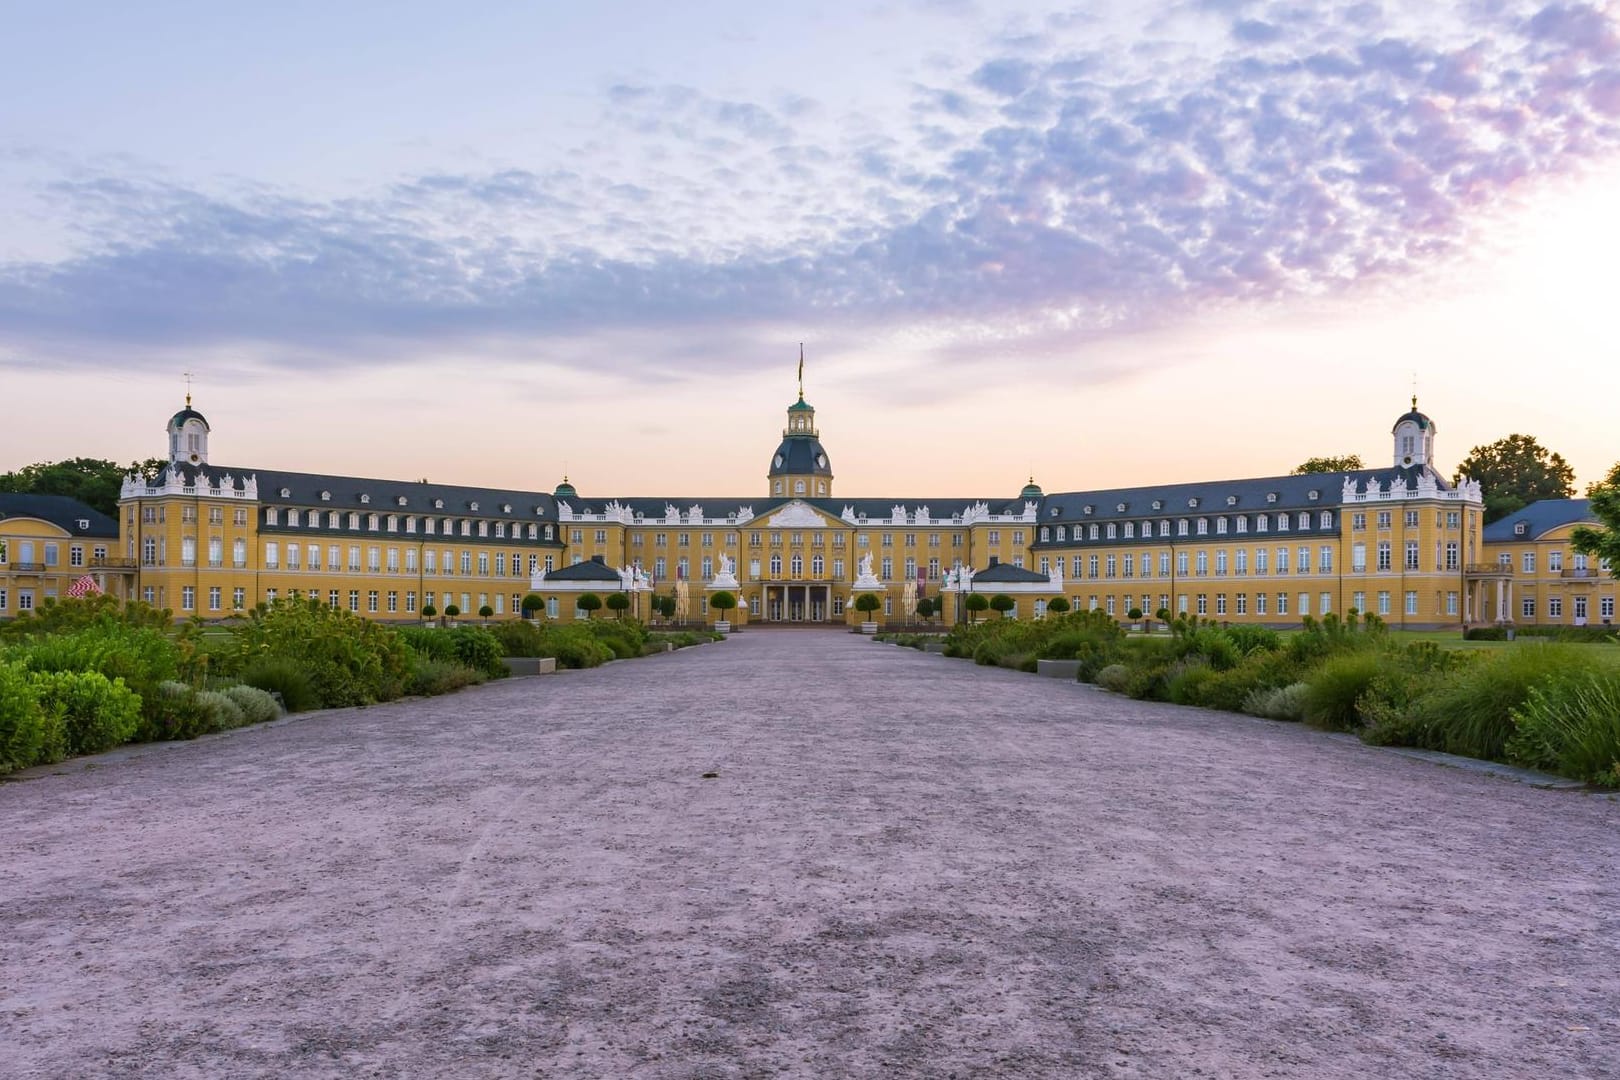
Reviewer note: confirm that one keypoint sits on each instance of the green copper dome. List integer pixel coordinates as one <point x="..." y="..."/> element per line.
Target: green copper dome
<point x="1032" y="490"/>
<point x="565" y="490"/>
<point x="800" y="406"/>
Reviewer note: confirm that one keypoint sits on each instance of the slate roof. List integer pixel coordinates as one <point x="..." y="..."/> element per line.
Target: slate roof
<point x="589" y="570"/>
<point x="304" y="489"/>
<point x="187" y="413"/>
<point x="1008" y="574"/>
<point x="1540" y="518"/>
<point x="798" y="453"/>
<point x="61" y="511"/>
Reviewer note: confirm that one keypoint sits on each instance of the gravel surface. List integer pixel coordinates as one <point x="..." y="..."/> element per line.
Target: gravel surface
<point x="905" y="866"/>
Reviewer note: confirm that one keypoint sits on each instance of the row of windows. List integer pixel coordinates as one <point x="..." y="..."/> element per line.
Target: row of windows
<point x="1580" y="605"/>
<point x="1443" y="519"/>
<point x="50" y="554"/>
<point x="158" y="514"/>
<point x="379" y="560"/>
<point x="1280" y="604"/>
<point x="1198" y="563"/>
<point x="817" y="539"/>
<point x="430" y="526"/>
<point x="1129" y="530"/>
<point x="1555" y="562"/>
<point x="1447" y="555"/>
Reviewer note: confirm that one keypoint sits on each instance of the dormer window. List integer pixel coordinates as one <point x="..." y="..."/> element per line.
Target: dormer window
<point x="1158" y="504"/>
<point x="473" y="507"/>
<point x="402" y="501"/>
<point x="1088" y="508"/>
<point x="365" y="500"/>
<point x="326" y="496"/>
<point x="438" y="504"/>
<point x="1193" y="502"/>
<point x="1231" y="500"/>
<point x="1313" y="495"/>
<point x="1271" y="496"/>
<point x="1520" y="529"/>
<point x="506" y="508"/>
<point x="1120" y="508"/>
<point x="286" y="493"/>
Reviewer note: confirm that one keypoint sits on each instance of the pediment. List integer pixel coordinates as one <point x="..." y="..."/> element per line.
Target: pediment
<point x="796" y="514"/>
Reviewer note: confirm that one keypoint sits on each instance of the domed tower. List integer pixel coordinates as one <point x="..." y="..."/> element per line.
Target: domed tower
<point x="1031" y="492"/>
<point x="188" y="437"/>
<point x="799" y="468"/>
<point x="565" y="490"/>
<point x="1414" y="439"/>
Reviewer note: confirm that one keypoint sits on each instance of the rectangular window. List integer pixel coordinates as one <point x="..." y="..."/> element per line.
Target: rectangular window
<point x="1324" y="603"/>
<point x="1203" y="600"/>
<point x="1220" y="563"/>
<point x="373" y="559"/>
<point x="1411" y="519"/>
<point x="238" y="599"/>
<point x="1580" y="608"/>
<point x="1304" y="603"/>
<point x="1181" y="563"/>
<point x="1260" y="600"/>
<point x="272" y="555"/>
<point x="1527" y="609"/>
<point x="354" y="600"/>
<point x="1358" y="600"/>
<point x="1282" y="603"/>
<point x="1242" y="598"/>
<point x="1451" y="603"/>
<point x="1555" y="607"/>
<point x="1605" y="608"/>
<point x="1220" y="598"/>
<point x="393" y="600"/>
<point x="1452" y="557"/>
<point x="1383" y="602"/>
<point x="371" y="601"/>
<point x="1385" y="555"/>
<point x="1302" y="560"/>
<point x="188" y="597"/>
<point x="1262" y="561"/>
<point x="1282" y="561"/>
<point x="1529" y="562"/>
<point x="1411" y="554"/>
<point x="216" y="598"/>
<point x="1113" y="566"/>
<point x="410" y="602"/>
<point x="1555" y="562"/>
<point x="1203" y="564"/>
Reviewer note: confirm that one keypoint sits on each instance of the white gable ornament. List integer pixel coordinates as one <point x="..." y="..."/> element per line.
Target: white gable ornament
<point x="797" y="515"/>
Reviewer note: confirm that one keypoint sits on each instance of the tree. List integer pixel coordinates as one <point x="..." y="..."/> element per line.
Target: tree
<point x="93" y="481"/>
<point x="1514" y="472"/>
<point x="665" y="606"/>
<point x="1058" y="605"/>
<point x="429" y="611"/>
<point x="618" y="603"/>
<point x="975" y="604"/>
<point x="722" y="602"/>
<point x="531" y="604"/>
<point x="1343" y="463"/>
<point x="1603" y="542"/>
<point x="866" y="603"/>
<point x="1135" y="615"/>
<point x="588" y="602"/>
<point x="1001" y="603"/>
<point x="451" y="611"/>
<point x="925" y="607"/>
<point x="485" y="612"/>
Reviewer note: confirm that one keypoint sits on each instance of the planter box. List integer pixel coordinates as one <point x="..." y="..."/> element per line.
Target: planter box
<point x="1058" y="669"/>
<point x="530" y="665"/>
<point x="869" y="627"/>
<point x="722" y="627"/>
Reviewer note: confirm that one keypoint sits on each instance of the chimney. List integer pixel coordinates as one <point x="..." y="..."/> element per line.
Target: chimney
<point x="600" y="559"/>
<point x="994" y="561"/>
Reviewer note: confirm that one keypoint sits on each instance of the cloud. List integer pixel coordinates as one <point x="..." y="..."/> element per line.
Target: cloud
<point x="1053" y="188"/>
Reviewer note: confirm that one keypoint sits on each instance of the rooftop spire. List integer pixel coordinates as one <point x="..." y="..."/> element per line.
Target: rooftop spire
<point x="188" y="377"/>
<point x="801" y="371"/>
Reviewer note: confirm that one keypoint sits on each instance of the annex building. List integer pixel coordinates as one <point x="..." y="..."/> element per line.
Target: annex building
<point x="206" y="539"/>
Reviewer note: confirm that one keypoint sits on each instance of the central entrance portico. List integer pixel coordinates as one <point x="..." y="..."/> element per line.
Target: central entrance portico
<point x="798" y="602"/>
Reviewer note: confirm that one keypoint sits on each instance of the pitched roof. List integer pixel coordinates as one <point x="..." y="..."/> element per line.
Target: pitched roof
<point x="1540" y="518"/>
<point x="1008" y="574"/>
<point x="589" y="570"/>
<point x="64" y="512"/>
<point x="345" y="493"/>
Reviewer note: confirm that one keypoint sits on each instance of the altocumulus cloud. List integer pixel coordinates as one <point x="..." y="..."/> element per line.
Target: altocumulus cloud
<point x="1287" y="150"/>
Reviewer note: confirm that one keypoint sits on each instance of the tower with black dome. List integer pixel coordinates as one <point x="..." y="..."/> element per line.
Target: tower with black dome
<point x="188" y="436"/>
<point x="1414" y="439"/>
<point x="799" y="468"/>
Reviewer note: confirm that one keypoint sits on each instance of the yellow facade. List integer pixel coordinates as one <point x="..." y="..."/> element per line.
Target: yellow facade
<point x="1400" y="541"/>
<point x="1539" y="578"/>
<point x="47" y="543"/>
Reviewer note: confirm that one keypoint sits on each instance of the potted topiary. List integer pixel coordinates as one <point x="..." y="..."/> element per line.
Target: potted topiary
<point x="925" y="608"/>
<point x="866" y="603"/>
<point x="1058" y="605"/>
<point x="588" y="602"/>
<point x="429" y="613"/>
<point x="1163" y="615"/>
<point x="1001" y="603"/>
<point x="450" y="613"/>
<point x="532" y="603"/>
<point x="485" y="612"/>
<point x="722" y="602"/>
<point x="976" y="604"/>
<point x="618" y="603"/>
<point x="1135" y="615"/>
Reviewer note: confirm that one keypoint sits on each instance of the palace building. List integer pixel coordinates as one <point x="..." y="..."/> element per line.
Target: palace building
<point x="1400" y="541"/>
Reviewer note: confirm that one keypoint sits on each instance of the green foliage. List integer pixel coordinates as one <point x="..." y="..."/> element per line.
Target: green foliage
<point x="866" y="603"/>
<point x="1602" y="542"/>
<point x="1001" y="603"/>
<point x="452" y="611"/>
<point x="140" y="656"/>
<point x="1341" y="463"/>
<point x="1571" y="724"/>
<point x="175" y="711"/>
<point x="619" y="603"/>
<point x="430" y="677"/>
<point x="1251" y="639"/>
<point x="722" y="602"/>
<point x="223" y="711"/>
<point x="1057" y="605"/>
<point x="926" y="608"/>
<point x="1114" y="677"/>
<point x="625" y="638"/>
<point x="471" y="646"/>
<point x="285" y="680"/>
<point x="1135" y="614"/>
<point x="532" y="603"/>
<point x="256" y="705"/>
<point x="588" y="602"/>
<point x="485" y="612"/>
<point x="1334" y="687"/>
<point x="1277" y="702"/>
<point x="349" y="661"/>
<point x="1485" y="633"/>
<point x="97" y="713"/>
<point x="1186" y="679"/>
<point x="93" y="481"/>
<point x="429" y="611"/>
<point x="575" y="646"/>
<point x="977" y="603"/>
<point x="26" y="730"/>
<point x="1515" y="472"/>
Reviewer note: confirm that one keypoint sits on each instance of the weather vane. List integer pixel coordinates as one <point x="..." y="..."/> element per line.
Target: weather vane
<point x="188" y="378"/>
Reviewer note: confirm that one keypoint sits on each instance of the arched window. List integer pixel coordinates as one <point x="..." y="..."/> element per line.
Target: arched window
<point x="818" y="566"/>
<point x="798" y="487"/>
<point x="778" y="488"/>
<point x="776" y="566"/>
<point x="797" y="564"/>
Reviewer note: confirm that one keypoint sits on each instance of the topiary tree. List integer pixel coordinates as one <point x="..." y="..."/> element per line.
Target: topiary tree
<point x="1001" y="603"/>
<point x="866" y="603"/>
<point x="485" y="612"/>
<point x="976" y="604"/>
<point x="1163" y="615"/>
<point x="451" y="611"/>
<point x="925" y="607"/>
<point x="1058" y="605"/>
<point x="588" y="602"/>
<point x="429" y="612"/>
<point x="723" y="602"/>
<point x="618" y="603"/>
<point x="1135" y="615"/>
<point x="532" y="603"/>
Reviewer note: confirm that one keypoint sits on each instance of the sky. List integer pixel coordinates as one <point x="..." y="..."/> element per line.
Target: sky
<point x="1102" y="245"/>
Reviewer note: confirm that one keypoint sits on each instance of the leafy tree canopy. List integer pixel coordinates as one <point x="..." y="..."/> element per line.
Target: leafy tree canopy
<point x="1514" y="472"/>
<point x="1603" y="542"/>
<point x="1344" y="463"/>
<point x="92" y="481"/>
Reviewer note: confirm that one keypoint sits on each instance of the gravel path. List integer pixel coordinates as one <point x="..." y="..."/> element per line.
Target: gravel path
<point x="906" y="866"/>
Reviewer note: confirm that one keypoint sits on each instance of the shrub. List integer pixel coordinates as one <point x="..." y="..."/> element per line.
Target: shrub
<point x="624" y="637"/>
<point x="141" y="656"/>
<point x="1251" y="639"/>
<point x="1114" y="677"/>
<point x="430" y="677"/>
<point x="1471" y="708"/>
<point x="1571" y="724"/>
<point x="97" y="713"/>
<point x="1183" y="680"/>
<point x="519" y="638"/>
<point x="429" y="642"/>
<point x="1485" y="633"/>
<point x="174" y="711"/>
<point x="257" y="706"/>
<point x="223" y="711"/>
<point x="1277" y="702"/>
<point x="588" y="602"/>
<point x="1334" y="687"/>
<point x="1213" y="644"/>
<point x="531" y="603"/>
<point x="1057" y="605"/>
<point x="349" y="660"/>
<point x="477" y="648"/>
<point x="1001" y="603"/>
<point x="284" y="680"/>
<point x="25" y="728"/>
<point x="575" y="646"/>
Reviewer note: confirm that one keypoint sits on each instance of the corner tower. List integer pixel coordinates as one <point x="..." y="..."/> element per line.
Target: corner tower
<point x="1414" y="439"/>
<point x="188" y="437"/>
<point x="799" y="468"/>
